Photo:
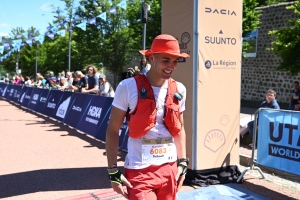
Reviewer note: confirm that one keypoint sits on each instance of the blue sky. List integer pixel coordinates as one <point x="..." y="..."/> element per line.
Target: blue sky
<point x="22" y="13"/>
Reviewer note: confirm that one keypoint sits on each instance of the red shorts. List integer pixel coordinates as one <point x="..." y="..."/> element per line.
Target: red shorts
<point x="153" y="182"/>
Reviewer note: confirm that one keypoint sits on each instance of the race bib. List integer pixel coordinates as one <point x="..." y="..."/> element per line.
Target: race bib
<point x="158" y="150"/>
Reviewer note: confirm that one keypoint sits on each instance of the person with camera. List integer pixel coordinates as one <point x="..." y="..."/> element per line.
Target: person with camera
<point x="153" y="103"/>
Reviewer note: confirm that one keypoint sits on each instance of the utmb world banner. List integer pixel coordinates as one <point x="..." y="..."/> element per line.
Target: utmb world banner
<point x="210" y="31"/>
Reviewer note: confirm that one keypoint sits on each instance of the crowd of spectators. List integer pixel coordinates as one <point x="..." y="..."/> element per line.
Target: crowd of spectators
<point x="87" y="82"/>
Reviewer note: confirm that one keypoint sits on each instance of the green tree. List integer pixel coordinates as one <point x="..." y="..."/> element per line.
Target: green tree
<point x="286" y="44"/>
<point x="116" y="43"/>
<point x="251" y="19"/>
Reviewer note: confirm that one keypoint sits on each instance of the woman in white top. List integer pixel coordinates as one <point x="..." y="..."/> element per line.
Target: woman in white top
<point x="145" y="67"/>
<point x="105" y="88"/>
<point x="28" y="81"/>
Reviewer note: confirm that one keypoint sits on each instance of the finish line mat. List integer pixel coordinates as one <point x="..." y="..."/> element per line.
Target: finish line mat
<point x="226" y="191"/>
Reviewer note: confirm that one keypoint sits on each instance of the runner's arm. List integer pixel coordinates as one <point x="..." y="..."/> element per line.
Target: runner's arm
<point x="180" y="141"/>
<point x="112" y="134"/>
<point x="94" y="90"/>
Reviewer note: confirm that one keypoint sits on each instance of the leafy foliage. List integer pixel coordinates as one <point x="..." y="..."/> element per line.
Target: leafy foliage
<point x="112" y="43"/>
<point x="286" y="44"/>
<point x="250" y="19"/>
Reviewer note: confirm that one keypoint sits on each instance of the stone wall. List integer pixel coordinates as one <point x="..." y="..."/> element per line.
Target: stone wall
<point x="259" y="74"/>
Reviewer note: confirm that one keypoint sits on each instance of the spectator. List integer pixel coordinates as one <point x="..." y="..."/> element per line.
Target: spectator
<point x="41" y="81"/>
<point x="270" y="102"/>
<point x="81" y="82"/>
<point x="22" y="79"/>
<point x="17" y="80"/>
<point x="51" y="80"/>
<point x="294" y="98"/>
<point x="6" y="79"/>
<point x="92" y="80"/>
<point x="150" y="173"/>
<point x="105" y="88"/>
<point x="144" y="66"/>
<point x="37" y="80"/>
<point x="69" y="78"/>
<point x="27" y="81"/>
<point x="62" y="84"/>
<point x="130" y="73"/>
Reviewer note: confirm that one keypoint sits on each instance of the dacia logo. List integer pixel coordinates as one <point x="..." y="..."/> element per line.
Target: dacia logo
<point x="220" y="11"/>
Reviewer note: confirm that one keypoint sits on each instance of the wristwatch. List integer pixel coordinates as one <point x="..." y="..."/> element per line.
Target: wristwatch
<point x="112" y="167"/>
<point x="184" y="160"/>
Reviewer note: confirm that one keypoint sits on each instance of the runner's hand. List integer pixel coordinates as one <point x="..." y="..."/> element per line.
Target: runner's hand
<point x="179" y="178"/>
<point x="118" y="187"/>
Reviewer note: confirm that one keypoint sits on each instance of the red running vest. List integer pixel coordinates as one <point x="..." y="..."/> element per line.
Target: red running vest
<point x="143" y="117"/>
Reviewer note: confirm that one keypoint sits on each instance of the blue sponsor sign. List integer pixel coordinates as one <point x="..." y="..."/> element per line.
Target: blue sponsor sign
<point x="77" y="106"/>
<point x="62" y="107"/>
<point x="3" y="90"/>
<point x="9" y="92"/>
<point x="94" y="113"/>
<point x="101" y="131"/>
<point x="34" y="98"/>
<point x="2" y="86"/>
<point x="52" y="103"/>
<point x="17" y="93"/>
<point x="279" y="140"/>
<point x="25" y="96"/>
<point x="42" y="102"/>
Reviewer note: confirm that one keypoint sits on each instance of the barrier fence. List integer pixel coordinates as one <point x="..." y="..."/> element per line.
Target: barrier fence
<point x="84" y="112"/>
<point x="278" y="141"/>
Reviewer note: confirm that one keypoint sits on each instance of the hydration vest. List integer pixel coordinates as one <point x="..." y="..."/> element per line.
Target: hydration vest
<point x="143" y="117"/>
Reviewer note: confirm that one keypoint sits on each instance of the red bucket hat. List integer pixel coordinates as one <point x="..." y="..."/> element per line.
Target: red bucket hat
<point x="166" y="44"/>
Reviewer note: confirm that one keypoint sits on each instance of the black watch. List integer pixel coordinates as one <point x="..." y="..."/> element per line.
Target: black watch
<point x="184" y="160"/>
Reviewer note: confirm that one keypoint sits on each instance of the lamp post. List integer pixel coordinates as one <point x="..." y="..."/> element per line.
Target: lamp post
<point x="70" y="22"/>
<point x="144" y="19"/>
<point x="17" y="63"/>
<point x="36" y="57"/>
<point x="69" y="43"/>
<point x="69" y="40"/>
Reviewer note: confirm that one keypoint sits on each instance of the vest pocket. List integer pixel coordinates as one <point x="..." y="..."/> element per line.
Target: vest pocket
<point x="172" y="119"/>
<point x="143" y="119"/>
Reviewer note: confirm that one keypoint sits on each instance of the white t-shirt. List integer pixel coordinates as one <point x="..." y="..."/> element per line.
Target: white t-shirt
<point x="104" y="90"/>
<point x="28" y="83"/>
<point x="126" y="96"/>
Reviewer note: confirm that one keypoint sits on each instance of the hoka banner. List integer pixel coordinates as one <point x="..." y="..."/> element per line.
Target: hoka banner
<point x="95" y="112"/>
<point x="279" y="140"/>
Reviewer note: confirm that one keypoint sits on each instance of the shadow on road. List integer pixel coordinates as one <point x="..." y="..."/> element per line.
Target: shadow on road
<point x="53" y="180"/>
